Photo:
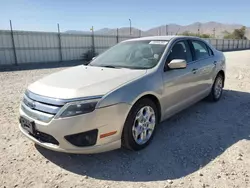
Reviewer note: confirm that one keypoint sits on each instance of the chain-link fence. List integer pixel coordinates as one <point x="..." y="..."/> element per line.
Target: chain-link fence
<point x="20" y="47"/>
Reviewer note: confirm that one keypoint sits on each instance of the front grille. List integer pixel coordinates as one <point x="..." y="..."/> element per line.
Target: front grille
<point x="39" y="107"/>
<point x="46" y="138"/>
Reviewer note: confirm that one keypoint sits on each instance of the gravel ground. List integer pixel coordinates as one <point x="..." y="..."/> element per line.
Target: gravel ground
<point x="206" y="145"/>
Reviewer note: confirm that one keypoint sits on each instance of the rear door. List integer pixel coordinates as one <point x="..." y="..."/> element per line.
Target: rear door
<point x="204" y="59"/>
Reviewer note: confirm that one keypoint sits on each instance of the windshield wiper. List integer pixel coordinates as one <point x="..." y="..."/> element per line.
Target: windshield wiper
<point x="109" y="66"/>
<point x="119" y="67"/>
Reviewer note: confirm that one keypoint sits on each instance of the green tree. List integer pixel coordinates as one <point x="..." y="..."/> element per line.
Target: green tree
<point x="240" y="33"/>
<point x="236" y="34"/>
<point x="187" y="33"/>
<point x="228" y="35"/>
<point x="204" y="35"/>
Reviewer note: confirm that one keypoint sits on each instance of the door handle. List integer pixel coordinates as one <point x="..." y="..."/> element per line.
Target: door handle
<point x="194" y="71"/>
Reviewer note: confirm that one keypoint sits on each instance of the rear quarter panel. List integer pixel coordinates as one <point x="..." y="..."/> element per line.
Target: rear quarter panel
<point x="221" y="63"/>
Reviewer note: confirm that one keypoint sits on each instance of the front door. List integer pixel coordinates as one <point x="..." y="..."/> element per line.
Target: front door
<point x="180" y="85"/>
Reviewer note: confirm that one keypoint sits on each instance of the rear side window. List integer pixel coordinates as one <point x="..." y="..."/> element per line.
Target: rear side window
<point x="200" y="50"/>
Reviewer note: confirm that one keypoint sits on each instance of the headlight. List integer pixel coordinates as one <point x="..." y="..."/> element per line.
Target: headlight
<point x="77" y="108"/>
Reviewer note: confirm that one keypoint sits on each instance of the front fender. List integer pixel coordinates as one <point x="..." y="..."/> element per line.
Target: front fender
<point x="129" y="93"/>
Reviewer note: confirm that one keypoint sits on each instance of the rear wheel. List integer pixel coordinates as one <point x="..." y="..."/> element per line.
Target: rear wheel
<point x="217" y="88"/>
<point x="140" y="125"/>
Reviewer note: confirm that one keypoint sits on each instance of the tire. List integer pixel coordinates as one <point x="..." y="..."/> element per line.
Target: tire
<point x="135" y="122"/>
<point x="215" y="94"/>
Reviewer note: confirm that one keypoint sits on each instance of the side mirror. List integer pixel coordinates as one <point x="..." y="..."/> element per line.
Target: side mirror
<point x="177" y="64"/>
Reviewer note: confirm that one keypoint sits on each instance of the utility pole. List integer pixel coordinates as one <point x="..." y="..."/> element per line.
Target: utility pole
<point x="93" y="41"/>
<point x="178" y="31"/>
<point x="59" y="42"/>
<point x="13" y="43"/>
<point x="130" y="26"/>
<point x="166" y="29"/>
<point x="199" y="26"/>
<point x="117" y="35"/>
<point x="214" y="32"/>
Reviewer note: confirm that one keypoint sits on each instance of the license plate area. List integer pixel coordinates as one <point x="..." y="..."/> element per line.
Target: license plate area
<point x="28" y="125"/>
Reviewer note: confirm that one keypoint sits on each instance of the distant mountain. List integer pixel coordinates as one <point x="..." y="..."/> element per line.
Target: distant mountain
<point x="172" y="29"/>
<point x="77" y="32"/>
<point x="106" y="31"/>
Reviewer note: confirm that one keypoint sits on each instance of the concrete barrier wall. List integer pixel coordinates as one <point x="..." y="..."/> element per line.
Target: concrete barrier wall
<point x="37" y="47"/>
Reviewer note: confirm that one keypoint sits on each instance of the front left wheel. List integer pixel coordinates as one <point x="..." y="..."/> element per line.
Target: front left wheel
<point x="139" y="127"/>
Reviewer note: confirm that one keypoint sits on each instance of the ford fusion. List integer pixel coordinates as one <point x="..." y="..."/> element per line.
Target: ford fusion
<point x="120" y="97"/>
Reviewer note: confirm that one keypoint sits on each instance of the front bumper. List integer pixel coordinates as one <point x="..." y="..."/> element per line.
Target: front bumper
<point x="105" y="120"/>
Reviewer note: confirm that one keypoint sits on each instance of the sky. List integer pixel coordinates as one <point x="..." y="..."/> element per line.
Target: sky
<point x="43" y="15"/>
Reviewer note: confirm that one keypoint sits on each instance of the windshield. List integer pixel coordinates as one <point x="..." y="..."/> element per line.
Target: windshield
<point x="133" y="54"/>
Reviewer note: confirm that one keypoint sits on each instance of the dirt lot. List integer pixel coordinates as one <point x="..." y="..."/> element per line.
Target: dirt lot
<point x="207" y="145"/>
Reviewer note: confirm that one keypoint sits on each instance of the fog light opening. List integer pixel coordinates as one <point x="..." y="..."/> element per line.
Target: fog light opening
<point x="83" y="139"/>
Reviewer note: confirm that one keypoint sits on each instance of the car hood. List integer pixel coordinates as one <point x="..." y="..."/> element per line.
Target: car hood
<point x="83" y="81"/>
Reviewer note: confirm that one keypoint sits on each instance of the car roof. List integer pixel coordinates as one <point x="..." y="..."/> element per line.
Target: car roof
<point x="163" y="38"/>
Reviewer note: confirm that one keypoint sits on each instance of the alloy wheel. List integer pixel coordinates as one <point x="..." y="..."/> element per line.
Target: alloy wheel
<point x="144" y="125"/>
<point x="218" y="87"/>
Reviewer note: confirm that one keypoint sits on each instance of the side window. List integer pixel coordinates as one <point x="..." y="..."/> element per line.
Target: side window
<point x="180" y="50"/>
<point x="200" y="50"/>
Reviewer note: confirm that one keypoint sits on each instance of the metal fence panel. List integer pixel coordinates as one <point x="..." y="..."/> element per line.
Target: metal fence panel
<point x="73" y="46"/>
<point x="105" y="41"/>
<point x="236" y="42"/>
<point x="100" y="50"/>
<point x="6" y="48"/>
<point x="122" y="38"/>
<point x="213" y="42"/>
<point x="225" y="44"/>
<point x="240" y="44"/>
<point x="34" y="47"/>
<point x="245" y="44"/>
<point x="219" y="44"/>
<point x="102" y="42"/>
<point x="230" y="44"/>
